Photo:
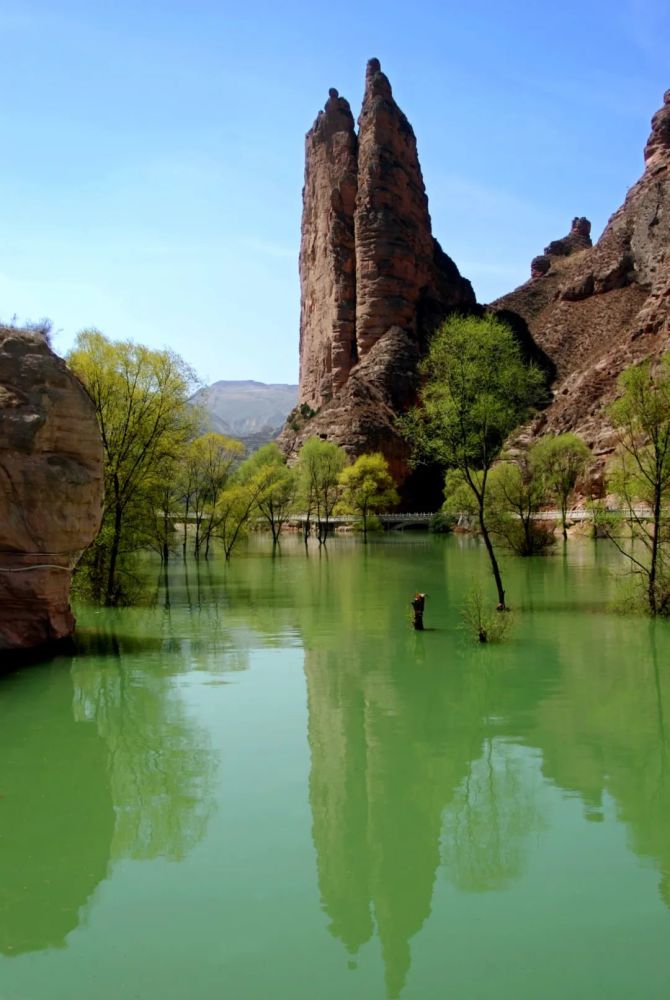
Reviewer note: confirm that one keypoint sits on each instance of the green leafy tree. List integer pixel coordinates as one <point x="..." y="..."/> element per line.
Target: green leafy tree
<point x="207" y="465"/>
<point x="477" y="389"/>
<point x="319" y="466"/>
<point x="367" y="488"/>
<point x="560" y="460"/>
<point x="515" y="495"/>
<point x="140" y="397"/>
<point x="278" y="498"/>
<point x="640" y="475"/>
<point x="238" y="503"/>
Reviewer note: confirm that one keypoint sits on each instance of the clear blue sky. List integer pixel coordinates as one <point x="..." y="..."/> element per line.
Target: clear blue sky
<point x="152" y="158"/>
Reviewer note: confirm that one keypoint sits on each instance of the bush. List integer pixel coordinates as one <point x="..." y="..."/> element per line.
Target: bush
<point x="442" y="522"/>
<point x="480" y="621"/>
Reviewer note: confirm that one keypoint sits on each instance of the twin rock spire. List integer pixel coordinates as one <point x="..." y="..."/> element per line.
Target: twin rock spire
<point x="368" y="260"/>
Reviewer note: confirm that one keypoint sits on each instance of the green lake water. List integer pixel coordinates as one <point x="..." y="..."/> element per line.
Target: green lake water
<point x="267" y="785"/>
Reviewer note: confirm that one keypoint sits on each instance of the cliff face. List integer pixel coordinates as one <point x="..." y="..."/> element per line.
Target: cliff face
<point x="595" y="310"/>
<point x="327" y="255"/>
<point x="374" y="281"/>
<point x="50" y="489"/>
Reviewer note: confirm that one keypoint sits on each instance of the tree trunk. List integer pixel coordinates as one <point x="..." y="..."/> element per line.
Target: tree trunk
<point x="653" y="563"/>
<point x="114" y="553"/>
<point x="186" y="509"/>
<point x="492" y="557"/>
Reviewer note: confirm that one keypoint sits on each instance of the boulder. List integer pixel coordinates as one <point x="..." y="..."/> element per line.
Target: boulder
<point x="51" y="489"/>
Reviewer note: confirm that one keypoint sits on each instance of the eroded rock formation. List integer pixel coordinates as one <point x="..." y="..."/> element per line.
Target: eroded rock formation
<point x="595" y="310"/>
<point x="374" y="281"/>
<point x="579" y="238"/>
<point x="50" y="489"/>
<point x="327" y="255"/>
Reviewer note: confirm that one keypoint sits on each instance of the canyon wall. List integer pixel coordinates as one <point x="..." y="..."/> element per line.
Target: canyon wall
<point x="51" y="489"/>
<point x="596" y="309"/>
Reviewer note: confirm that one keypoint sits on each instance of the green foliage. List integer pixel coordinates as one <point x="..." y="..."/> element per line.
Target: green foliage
<point x="204" y="468"/>
<point x="477" y="390"/>
<point x="442" y="523"/>
<point x="640" y="475"/>
<point x="319" y="466"/>
<point x="367" y="488"/>
<point x="480" y="621"/>
<point x="277" y="499"/>
<point x="560" y="460"/>
<point x="140" y="397"/>
<point x="459" y="497"/>
<point x="515" y="494"/>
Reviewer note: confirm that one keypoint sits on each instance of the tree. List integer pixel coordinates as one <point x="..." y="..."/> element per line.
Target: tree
<point x="277" y="499"/>
<point x="515" y="496"/>
<point x="477" y="389"/>
<point x="640" y="474"/>
<point x="367" y="487"/>
<point x="560" y="460"/>
<point x="237" y="504"/>
<point x="319" y="466"/>
<point x="140" y="397"/>
<point x="207" y="465"/>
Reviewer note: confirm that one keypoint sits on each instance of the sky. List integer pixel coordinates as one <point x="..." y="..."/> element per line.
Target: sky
<point x="153" y="151"/>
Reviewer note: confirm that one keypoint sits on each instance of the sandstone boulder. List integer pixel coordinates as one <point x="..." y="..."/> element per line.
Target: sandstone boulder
<point x="50" y="489"/>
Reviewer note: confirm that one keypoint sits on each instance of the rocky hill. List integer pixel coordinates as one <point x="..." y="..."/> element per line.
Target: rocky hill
<point x="375" y="283"/>
<point x="254" y="412"/>
<point x="596" y="309"/>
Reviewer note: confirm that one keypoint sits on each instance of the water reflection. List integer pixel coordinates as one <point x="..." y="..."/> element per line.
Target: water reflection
<point x="606" y="733"/>
<point x="434" y="763"/>
<point x="99" y="762"/>
<point x="56" y="812"/>
<point x="420" y="761"/>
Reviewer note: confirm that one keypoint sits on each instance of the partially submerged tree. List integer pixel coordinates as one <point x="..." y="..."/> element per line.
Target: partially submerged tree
<point x="515" y="495"/>
<point x="319" y="466"/>
<point x="141" y="401"/>
<point x="367" y="488"/>
<point x="560" y="460"/>
<point x="478" y="388"/>
<point x="207" y="465"/>
<point x="640" y="475"/>
<point x="239" y="502"/>
<point x="278" y="497"/>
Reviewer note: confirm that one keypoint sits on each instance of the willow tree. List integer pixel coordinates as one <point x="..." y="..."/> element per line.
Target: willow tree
<point x="277" y="499"/>
<point x="319" y="466"/>
<point x="477" y="388"/>
<point x="640" y="475"/>
<point x="205" y="469"/>
<point x="141" y="401"/>
<point x="560" y="460"/>
<point x="367" y="487"/>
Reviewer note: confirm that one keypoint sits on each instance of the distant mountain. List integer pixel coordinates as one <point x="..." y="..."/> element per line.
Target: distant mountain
<point x="251" y="411"/>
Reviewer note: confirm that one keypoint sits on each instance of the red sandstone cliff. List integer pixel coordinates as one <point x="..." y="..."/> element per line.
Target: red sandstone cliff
<point x="595" y="310"/>
<point x="327" y="255"/>
<point x="50" y="489"/>
<point x="374" y="281"/>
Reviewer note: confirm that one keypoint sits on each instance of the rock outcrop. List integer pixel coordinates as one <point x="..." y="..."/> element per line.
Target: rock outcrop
<point x="579" y="238"/>
<point x="327" y="254"/>
<point x="595" y="310"/>
<point x="374" y="281"/>
<point x="50" y="489"/>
